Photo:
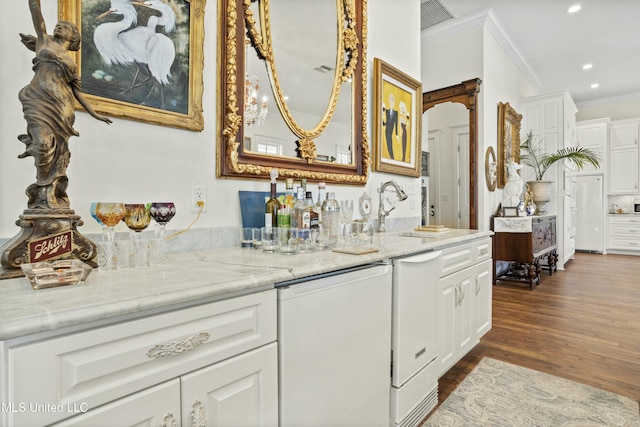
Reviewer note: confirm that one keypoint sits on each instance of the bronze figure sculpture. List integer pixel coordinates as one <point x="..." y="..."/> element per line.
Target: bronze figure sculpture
<point x="48" y="104"/>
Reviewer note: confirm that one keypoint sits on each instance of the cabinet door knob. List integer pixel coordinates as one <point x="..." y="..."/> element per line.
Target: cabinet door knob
<point x="169" y="420"/>
<point x="198" y="418"/>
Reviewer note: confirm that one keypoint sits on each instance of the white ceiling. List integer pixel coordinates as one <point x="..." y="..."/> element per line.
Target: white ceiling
<point x="556" y="44"/>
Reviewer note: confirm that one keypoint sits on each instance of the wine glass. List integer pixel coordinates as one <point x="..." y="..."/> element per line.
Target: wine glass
<point x="346" y="215"/>
<point x="137" y="217"/>
<point x="162" y="212"/>
<point x="109" y="214"/>
<point x="92" y="210"/>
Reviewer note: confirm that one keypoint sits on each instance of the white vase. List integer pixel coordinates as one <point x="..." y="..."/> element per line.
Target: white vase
<point x="541" y="194"/>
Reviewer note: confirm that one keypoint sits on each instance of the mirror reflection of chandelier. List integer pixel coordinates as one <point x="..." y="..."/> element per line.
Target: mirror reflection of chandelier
<point x="254" y="114"/>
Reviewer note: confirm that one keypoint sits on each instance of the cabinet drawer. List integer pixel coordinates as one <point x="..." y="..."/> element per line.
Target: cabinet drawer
<point x="462" y="256"/>
<point x="97" y="366"/>
<point x="631" y="221"/>
<point x="616" y="242"/>
<point x="626" y="230"/>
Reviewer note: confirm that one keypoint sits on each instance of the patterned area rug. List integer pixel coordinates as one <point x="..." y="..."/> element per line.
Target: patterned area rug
<point x="497" y="393"/>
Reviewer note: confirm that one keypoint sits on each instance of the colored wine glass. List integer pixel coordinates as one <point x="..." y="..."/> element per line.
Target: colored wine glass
<point x="110" y="214"/>
<point x="162" y="212"/>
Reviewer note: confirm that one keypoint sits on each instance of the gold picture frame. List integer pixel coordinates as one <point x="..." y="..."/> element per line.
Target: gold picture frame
<point x="397" y="121"/>
<point x="121" y="84"/>
<point x="508" y="139"/>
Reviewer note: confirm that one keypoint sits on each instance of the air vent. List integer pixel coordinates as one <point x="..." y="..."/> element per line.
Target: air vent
<point x="433" y="12"/>
<point x="323" y="69"/>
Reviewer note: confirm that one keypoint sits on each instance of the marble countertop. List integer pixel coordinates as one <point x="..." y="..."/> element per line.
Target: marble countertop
<point x="186" y="278"/>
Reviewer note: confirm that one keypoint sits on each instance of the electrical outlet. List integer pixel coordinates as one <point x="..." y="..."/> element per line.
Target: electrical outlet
<point x="199" y="196"/>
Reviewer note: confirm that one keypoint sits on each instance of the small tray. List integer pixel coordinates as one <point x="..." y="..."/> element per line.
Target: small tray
<point x="355" y="250"/>
<point x="50" y="274"/>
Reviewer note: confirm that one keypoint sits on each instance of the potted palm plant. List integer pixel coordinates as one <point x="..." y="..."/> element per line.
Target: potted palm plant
<point x="532" y="155"/>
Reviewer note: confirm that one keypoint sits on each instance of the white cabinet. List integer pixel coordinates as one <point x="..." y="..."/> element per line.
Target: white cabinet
<point x="241" y="391"/>
<point x="623" y="157"/>
<point x="624" y="234"/>
<point x="455" y="318"/>
<point x="624" y="134"/>
<point x="100" y="366"/>
<point x="623" y="173"/>
<point x="594" y="135"/>
<point x="464" y="302"/>
<point x="552" y="119"/>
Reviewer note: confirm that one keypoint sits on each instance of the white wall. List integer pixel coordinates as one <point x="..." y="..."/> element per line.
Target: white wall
<point x="132" y="161"/>
<point x="467" y="48"/>
<point x="616" y="109"/>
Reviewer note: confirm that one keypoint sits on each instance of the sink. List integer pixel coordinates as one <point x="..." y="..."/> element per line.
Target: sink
<point x="422" y="234"/>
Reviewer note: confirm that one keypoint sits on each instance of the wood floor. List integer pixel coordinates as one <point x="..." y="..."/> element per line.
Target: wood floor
<point x="582" y="324"/>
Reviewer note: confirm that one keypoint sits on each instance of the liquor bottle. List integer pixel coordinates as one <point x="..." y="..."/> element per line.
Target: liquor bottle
<point x="284" y="216"/>
<point x="314" y="217"/>
<point x="331" y="215"/>
<point x="289" y="196"/>
<point x="271" y="207"/>
<point x="298" y="219"/>
<point x="321" y="198"/>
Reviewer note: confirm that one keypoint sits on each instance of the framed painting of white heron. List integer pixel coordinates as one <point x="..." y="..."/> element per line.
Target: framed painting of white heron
<point x="141" y="59"/>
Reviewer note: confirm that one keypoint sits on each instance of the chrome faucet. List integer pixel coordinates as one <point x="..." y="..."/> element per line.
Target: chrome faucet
<point x="382" y="214"/>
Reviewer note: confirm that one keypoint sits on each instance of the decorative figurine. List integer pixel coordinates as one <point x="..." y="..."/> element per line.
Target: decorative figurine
<point x="48" y="104"/>
<point x="513" y="187"/>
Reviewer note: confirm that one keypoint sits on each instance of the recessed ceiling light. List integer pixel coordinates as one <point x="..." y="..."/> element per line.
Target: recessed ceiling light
<point x="595" y="85"/>
<point x="574" y="8"/>
<point x="587" y="66"/>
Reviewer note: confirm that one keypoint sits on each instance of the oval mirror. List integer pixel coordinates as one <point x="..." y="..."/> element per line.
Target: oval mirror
<point x="293" y="80"/>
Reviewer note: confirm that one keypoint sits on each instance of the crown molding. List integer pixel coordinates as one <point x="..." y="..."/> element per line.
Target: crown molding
<point x="490" y="21"/>
<point x="634" y="96"/>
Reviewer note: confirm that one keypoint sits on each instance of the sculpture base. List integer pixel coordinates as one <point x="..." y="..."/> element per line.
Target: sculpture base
<point x="39" y="224"/>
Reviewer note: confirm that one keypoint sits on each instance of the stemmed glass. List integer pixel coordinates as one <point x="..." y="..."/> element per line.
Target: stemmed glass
<point x="137" y="217"/>
<point x="92" y="210"/>
<point x="346" y="215"/>
<point x="109" y="215"/>
<point x="162" y="212"/>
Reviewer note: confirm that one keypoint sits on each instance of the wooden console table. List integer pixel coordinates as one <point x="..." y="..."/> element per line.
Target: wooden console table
<point x="524" y="242"/>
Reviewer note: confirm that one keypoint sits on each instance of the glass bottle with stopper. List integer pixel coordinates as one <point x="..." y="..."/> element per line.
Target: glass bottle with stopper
<point x="271" y="207"/>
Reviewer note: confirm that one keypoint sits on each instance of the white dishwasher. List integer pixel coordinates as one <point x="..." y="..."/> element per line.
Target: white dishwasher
<point x="414" y="379"/>
<point x="334" y="344"/>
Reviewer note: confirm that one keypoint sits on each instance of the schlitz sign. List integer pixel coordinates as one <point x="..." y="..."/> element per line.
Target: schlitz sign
<point x="50" y="247"/>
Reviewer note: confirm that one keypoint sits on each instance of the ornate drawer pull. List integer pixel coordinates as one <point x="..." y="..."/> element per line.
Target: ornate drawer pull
<point x="179" y="347"/>
<point x="169" y="420"/>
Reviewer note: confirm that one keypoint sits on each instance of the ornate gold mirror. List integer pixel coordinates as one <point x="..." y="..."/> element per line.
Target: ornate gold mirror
<point x="292" y="90"/>
<point x="465" y="93"/>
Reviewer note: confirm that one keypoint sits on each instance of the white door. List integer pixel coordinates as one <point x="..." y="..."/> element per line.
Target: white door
<point x="238" y="392"/>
